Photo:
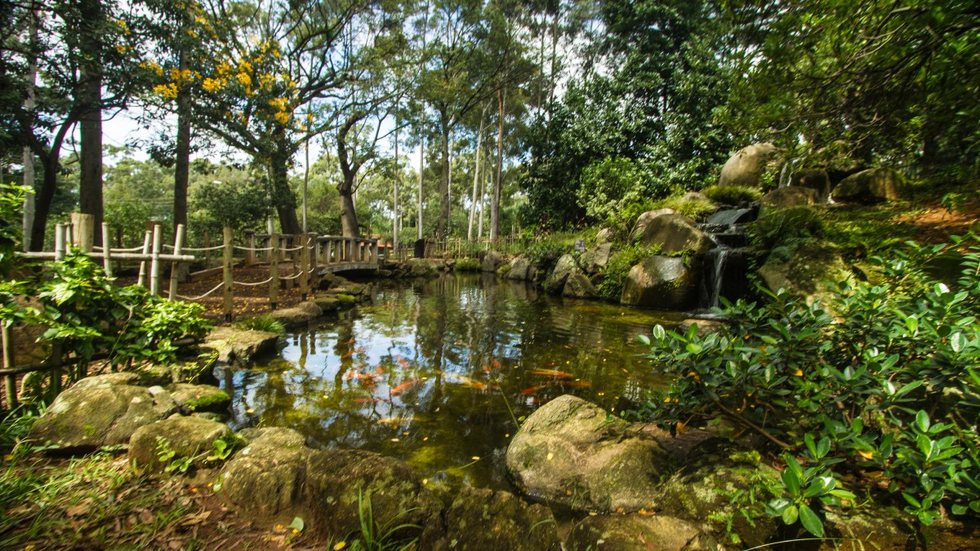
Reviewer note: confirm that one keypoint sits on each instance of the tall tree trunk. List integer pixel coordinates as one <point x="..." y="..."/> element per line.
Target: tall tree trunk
<point x="394" y="193"/>
<point x="282" y="197"/>
<point x="348" y="216"/>
<point x="28" y="153"/>
<point x="483" y="193"/>
<point x="497" y="184"/>
<point x="418" y="224"/>
<point x="90" y="131"/>
<point x="183" y="160"/>
<point x="554" y="58"/>
<point x="51" y="161"/>
<point x="476" y="175"/>
<point x="443" y="221"/>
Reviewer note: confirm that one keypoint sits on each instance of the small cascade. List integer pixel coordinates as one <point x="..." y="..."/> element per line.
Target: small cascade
<point x="726" y="265"/>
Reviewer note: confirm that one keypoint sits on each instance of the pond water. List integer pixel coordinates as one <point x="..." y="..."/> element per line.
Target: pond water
<point x="438" y="372"/>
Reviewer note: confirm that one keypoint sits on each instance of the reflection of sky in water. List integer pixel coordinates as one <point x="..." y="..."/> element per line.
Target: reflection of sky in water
<point x="436" y="372"/>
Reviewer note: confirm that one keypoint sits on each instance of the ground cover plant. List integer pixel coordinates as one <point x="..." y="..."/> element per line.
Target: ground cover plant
<point x="877" y="402"/>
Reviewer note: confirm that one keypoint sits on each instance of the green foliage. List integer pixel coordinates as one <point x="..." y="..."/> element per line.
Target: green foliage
<point x="468" y="265"/>
<point x="262" y="323"/>
<point x="237" y="204"/>
<point x="890" y="385"/>
<point x="731" y="195"/>
<point x="378" y="537"/>
<point x="776" y="227"/>
<point x="607" y="186"/>
<point x="16" y="424"/>
<point x="614" y="274"/>
<point x="692" y="207"/>
<point x="11" y="201"/>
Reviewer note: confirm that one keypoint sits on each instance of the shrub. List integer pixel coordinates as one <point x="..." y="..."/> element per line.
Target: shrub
<point x="731" y="195"/>
<point x="776" y="227"/>
<point x="617" y="269"/>
<point x="893" y="387"/>
<point x="262" y="323"/>
<point x="692" y="208"/>
<point x="468" y="265"/>
<point x="609" y="185"/>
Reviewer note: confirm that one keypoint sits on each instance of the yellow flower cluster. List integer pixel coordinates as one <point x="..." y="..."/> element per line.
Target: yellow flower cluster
<point x="151" y="66"/>
<point x="168" y="91"/>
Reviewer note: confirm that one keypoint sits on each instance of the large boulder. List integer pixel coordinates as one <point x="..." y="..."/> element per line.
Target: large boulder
<point x="605" y="235"/>
<point x="268" y="476"/>
<point x="675" y="233"/>
<point x="640" y="226"/>
<point x="663" y="282"/>
<point x="808" y="269"/>
<point x="103" y="410"/>
<point x="298" y="315"/>
<point x="491" y="261"/>
<point x="563" y="268"/>
<point x="747" y="165"/>
<point x="578" y="285"/>
<point x="187" y="437"/>
<point x="199" y="398"/>
<point x="340" y="482"/>
<point x="702" y="491"/>
<point x="420" y="267"/>
<point x="869" y="186"/>
<point x="596" y="258"/>
<point x="575" y="454"/>
<point x="888" y="530"/>
<point x="637" y="532"/>
<point x="240" y="345"/>
<point x="788" y="197"/>
<point x="480" y="519"/>
<point x="519" y="267"/>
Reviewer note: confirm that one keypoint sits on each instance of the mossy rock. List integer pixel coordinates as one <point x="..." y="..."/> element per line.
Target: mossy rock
<point x="707" y="490"/>
<point x="240" y="346"/>
<point x="199" y="398"/>
<point x="482" y="519"/>
<point x="268" y="476"/>
<point x="298" y="315"/>
<point x="806" y="268"/>
<point x="637" y="533"/>
<point x="186" y="437"/>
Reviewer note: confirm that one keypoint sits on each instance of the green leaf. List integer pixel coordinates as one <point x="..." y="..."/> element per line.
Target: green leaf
<point x="790" y="514"/>
<point x="658" y="332"/>
<point x="811" y="521"/>
<point x="297" y="524"/>
<point x="922" y="420"/>
<point x="791" y="480"/>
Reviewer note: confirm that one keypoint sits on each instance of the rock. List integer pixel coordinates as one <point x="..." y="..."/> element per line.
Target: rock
<point x="888" y="530"/>
<point x="605" y="235"/>
<point x="704" y="326"/>
<point x="199" y="398"/>
<point x="639" y="533"/>
<point x="729" y="217"/>
<point x="810" y="269"/>
<point x="816" y="179"/>
<point x="351" y="288"/>
<point x="483" y="519"/>
<point x="869" y="186"/>
<point x="519" y="267"/>
<point x="596" y="258"/>
<point x="563" y="268"/>
<point x="675" y="233"/>
<point x="578" y="285"/>
<point x="745" y="167"/>
<point x="695" y="196"/>
<point x="491" y="261"/>
<point x="420" y="267"/>
<point x="329" y="281"/>
<point x="574" y="454"/>
<point x="639" y="228"/>
<point x="337" y="481"/>
<point x="300" y="314"/>
<point x="662" y="282"/>
<point x="701" y="491"/>
<point x="240" y="345"/>
<point x="267" y="477"/>
<point x="327" y="303"/>
<point x="101" y="411"/>
<point x="187" y="437"/>
<point x="788" y="197"/>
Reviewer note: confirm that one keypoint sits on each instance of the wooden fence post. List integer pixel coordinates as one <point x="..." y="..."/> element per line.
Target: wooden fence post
<point x="304" y="266"/>
<point x="59" y="242"/>
<point x="106" y="250"/>
<point x="314" y="263"/>
<point x="250" y="244"/>
<point x="274" y="270"/>
<point x="226" y="268"/>
<point x="141" y="278"/>
<point x="10" y="381"/>
<point x="155" y="260"/>
<point x="207" y="248"/>
<point x="175" y="266"/>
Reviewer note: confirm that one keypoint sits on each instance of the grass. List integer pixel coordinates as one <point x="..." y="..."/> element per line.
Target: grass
<point x="375" y="537"/>
<point x="468" y="264"/>
<point x="731" y="195"/>
<point x="262" y="323"/>
<point x="692" y="208"/>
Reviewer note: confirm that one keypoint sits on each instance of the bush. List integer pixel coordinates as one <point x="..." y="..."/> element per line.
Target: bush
<point x="262" y="323"/>
<point x="890" y="386"/>
<point x="731" y="195"/>
<point x="468" y="265"/>
<point x="692" y="208"/>
<point x="776" y="227"/>
<point x="608" y="186"/>
<point x="617" y="269"/>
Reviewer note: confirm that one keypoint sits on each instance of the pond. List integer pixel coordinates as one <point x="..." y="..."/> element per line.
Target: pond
<point x="439" y="372"/>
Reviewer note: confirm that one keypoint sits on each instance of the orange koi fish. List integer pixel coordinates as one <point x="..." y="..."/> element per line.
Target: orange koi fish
<point x="552" y="373"/>
<point x="404" y="386"/>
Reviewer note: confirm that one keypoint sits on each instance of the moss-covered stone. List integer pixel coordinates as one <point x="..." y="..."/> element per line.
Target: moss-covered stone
<point x="186" y="437"/>
<point x="637" y="533"/>
<point x="483" y="519"/>
<point x="195" y="398"/>
<point x="240" y="345"/>
<point x="806" y="268"/>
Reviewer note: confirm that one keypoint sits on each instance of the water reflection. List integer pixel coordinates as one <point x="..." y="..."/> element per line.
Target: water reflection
<point x="437" y="372"/>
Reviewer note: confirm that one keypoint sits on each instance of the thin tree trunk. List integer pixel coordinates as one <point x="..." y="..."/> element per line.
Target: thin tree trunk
<point x="348" y="216"/>
<point x="443" y="220"/>
<point x="282" y="197"/>
<point x="483" y="193"/>
<point x="421" y="180"/>
<point x="183" y="161"/>
<point x="90" y="131"/>
<point x="476" y="175"/>
<point x="398" y="176"/>
<point x="554" y="57"/>
<point x="28" y="153"/>
<point x="495" y="202"/>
